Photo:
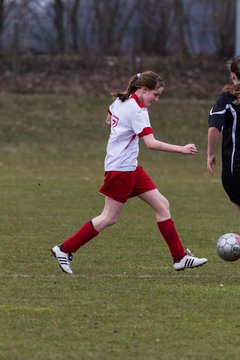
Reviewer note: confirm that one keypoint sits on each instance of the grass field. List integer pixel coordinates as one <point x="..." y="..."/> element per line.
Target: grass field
<point x="125" y="301"/>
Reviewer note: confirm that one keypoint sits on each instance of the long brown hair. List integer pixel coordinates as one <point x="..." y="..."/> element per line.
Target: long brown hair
<point x="233" y="66"/>
<point x="148" y="79"/>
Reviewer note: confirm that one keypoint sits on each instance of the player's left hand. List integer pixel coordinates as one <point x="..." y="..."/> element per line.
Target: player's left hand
<point x="190" y="149"/>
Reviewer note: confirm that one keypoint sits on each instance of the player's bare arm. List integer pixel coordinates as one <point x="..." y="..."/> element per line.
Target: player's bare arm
<point x="154" y="144"/>
<point x="108" y="119"/>
<point x="213" y="135"/>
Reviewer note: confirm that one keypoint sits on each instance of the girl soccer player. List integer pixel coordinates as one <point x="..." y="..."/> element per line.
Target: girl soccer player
<point x="225" y="117"/>
<point x="124" y="178"/>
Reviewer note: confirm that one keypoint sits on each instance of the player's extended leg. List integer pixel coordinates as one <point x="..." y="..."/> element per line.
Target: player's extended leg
<point x="160" y="204"/>
<point x="109" y="216"/>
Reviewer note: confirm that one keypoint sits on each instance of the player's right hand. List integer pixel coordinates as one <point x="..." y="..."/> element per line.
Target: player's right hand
<point x="211" y="162"/>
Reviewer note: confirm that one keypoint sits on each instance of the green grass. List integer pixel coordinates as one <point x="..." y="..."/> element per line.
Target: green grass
<point x="124" y="301"/>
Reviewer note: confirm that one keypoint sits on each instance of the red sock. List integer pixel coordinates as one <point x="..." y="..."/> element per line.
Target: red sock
<point x="172" y="239"/>
<point x="86" y="233"/>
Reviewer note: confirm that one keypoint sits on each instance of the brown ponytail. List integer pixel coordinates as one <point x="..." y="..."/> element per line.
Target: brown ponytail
<point x="233" y="90"/>
<point x="148" y="79"/>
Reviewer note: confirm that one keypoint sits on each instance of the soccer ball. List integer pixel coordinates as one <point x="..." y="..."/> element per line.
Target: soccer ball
<point x="228" y="247"/>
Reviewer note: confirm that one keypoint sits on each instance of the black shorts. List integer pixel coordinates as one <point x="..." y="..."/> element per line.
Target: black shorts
<point x="231" y="185"/>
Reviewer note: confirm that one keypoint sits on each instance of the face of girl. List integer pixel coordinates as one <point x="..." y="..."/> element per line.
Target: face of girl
<point x="151" y="96"/>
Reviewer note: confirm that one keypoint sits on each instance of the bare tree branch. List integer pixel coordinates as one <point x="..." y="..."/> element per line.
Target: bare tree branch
<point x="74" y="24"/>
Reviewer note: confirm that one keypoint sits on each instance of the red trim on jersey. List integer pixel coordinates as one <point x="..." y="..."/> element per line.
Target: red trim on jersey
<point x="132" y="138"/>
<point x="146" y="131"/>
<point x="134" y="96"/>
<point x="109" y="112"/>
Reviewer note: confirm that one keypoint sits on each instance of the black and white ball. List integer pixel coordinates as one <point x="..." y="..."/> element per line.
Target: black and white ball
<point x="228" y="247"/>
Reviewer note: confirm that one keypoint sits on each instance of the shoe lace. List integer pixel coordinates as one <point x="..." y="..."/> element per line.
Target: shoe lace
<point x="189" y="252"/>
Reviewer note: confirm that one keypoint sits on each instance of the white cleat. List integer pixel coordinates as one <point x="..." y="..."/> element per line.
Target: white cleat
<point x="63" y="259"/>
<point x="188" y="261"/>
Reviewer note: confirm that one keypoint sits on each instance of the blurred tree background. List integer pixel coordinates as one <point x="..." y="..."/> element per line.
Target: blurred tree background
<point x="78" y="46"/>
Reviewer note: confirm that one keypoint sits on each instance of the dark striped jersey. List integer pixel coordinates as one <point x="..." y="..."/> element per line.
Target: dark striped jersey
<point x="225" y="116"/>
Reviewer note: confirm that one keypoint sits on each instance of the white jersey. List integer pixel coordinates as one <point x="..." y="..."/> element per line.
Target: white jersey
<point x="129" y="121"/>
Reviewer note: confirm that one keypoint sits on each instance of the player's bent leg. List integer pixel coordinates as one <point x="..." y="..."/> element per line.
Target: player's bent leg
<point x="181" y="259"/>
<point x="158" y="202"/>
<point x="164" y="222"/>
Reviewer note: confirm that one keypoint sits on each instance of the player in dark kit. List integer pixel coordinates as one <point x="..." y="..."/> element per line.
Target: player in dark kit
<point x="225" y="117"/>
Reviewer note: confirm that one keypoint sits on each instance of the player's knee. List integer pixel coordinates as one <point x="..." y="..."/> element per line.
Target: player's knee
<point x="164" y="209"/>
<point x="111" y="220"/>
<point x="166" y="204"/>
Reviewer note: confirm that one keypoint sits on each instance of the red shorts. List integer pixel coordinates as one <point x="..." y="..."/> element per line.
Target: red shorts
<point x="121" y="185"/>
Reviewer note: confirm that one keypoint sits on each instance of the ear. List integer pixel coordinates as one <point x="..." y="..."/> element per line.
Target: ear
<point x="234" y="77"/>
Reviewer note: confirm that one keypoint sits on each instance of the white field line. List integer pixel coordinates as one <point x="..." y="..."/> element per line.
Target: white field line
<point x="121" y="276"/>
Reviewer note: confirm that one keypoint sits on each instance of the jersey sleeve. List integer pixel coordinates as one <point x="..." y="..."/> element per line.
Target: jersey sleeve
<point x="110" y="108"/>
<point x="217" y="113"/>
<point x="141" y="123"/>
